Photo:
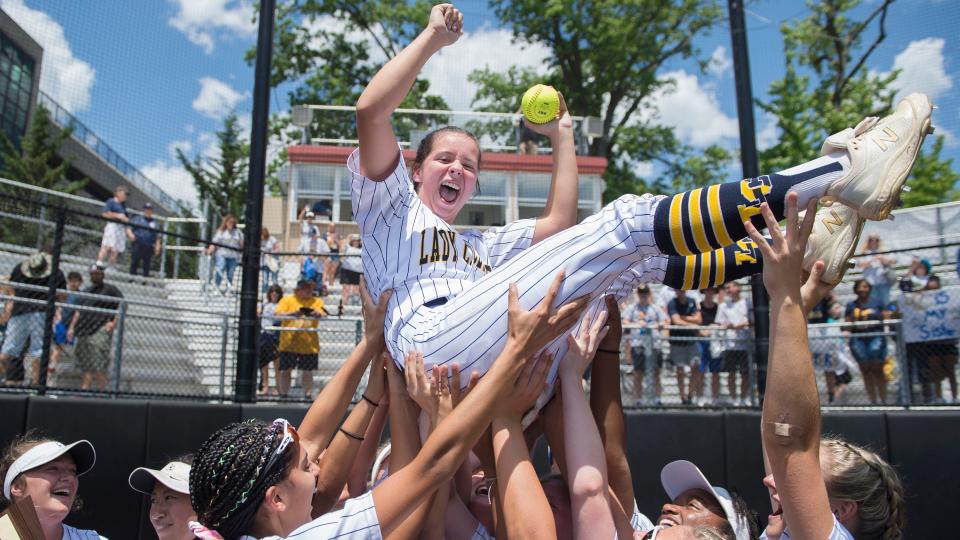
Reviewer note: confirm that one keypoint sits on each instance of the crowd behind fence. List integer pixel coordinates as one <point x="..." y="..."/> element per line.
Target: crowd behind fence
<point x="177" y="337"/>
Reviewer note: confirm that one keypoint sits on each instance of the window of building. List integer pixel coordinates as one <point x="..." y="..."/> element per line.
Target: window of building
<point x="16" y="85"/>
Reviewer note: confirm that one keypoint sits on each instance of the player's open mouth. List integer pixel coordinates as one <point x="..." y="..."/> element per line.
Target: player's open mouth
<point x="61" y="493"/>
<point x="449" y="191"/>
<point x="666" y="521"/>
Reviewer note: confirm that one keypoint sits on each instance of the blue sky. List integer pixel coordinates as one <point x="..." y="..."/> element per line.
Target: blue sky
<point x="151" y="75"/>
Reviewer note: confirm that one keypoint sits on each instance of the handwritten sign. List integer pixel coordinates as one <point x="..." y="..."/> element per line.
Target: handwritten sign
<point x="931" y="315"/>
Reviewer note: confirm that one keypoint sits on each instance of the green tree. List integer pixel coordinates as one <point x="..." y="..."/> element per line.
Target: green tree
<point x="606" y="57"/>
<point x="827" y="87"/>
<point x="330" y="49"/>
<point x="221" y="179"/>
<point x="36" y="161"/>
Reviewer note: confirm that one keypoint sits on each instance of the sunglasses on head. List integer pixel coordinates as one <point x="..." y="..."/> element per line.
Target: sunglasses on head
<point x="290" y="435"/>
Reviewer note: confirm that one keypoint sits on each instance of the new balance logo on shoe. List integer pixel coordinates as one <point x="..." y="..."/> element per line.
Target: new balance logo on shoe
<point x="888" y="135"/>
<point x="832" y="221"/>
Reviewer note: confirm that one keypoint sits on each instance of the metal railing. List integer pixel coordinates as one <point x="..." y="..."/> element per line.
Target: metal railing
<point x="84" y="135"/>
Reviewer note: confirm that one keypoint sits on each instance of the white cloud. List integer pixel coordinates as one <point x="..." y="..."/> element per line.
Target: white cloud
<point x="204" y="22"/>
<point x="447" y="71"/>
<point x="65" y="78"/>
<point x="185" y="146"/>
<point x="769" y="134"/>
<point x="217" y="98"/>
<point x="644" y="169"/>
<point x="922" y="68"/>
<point x="719" y="61"/>
<point x="692" y="110"/>
<point x="173" y="179"/>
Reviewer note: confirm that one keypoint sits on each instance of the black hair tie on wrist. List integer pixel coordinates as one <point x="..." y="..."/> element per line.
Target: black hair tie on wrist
<point x="351" y="435"/>
<point x="370" y="401"/>
<point x="608" y="351"/>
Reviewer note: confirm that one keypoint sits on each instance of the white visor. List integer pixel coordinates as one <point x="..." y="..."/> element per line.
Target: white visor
<point x="681" y="475"/>
<point x="175" y="475"/>
<point x="84" y="456"/>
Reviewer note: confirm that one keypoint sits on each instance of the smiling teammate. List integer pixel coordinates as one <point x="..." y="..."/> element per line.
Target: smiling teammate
<point x="450" y="287"/>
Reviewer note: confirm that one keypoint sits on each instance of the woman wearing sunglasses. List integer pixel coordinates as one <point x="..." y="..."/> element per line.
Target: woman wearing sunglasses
<point x="820" y="488"/>
<point x="258" y="480"/>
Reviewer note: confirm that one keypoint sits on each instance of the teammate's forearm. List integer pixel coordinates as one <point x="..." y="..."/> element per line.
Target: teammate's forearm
<point x="791" y="409"/>
<point x="357" y="482"/>
<point x="324" y="415"/>
<point x="586" y="464"/>
<point x="605" y="403"/>
<point x="526" y="512"/>
<point x="337" y="461"/>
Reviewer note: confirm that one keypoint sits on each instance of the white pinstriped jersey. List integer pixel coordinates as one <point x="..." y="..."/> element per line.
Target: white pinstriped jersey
<point x="356" y="521"/>
<point x="407" y="248"/>
<point x="839" y="532"/>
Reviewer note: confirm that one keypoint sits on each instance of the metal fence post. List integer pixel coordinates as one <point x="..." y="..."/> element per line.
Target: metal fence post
<point x="176" y="256"/>
<point x="906" y="376"/>
<point x="358" y="335"/>
<point x="118" y="345"/>
<point x="51" y="307"/>
<point x="43" y="216"/>
<point x="223" y="355"/>
<point x="163" y="250"/>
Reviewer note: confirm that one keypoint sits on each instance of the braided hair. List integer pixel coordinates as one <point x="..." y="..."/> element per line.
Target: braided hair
<point x="224" y="488"/>
<point x="860" y="475"/>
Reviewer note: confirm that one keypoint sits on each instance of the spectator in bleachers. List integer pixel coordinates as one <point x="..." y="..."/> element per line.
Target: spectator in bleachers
<point x="878" y="269"/>
<point x="269" y="339"/>
<point x="62" y="322"/>
<point x="833" y="354"/>
<point x="146" y="240"/>
<point x="299" y="349"/>
<point x="870" y="351"/>
<point x="333" y="246"/>
<point x="269" y="265"/>
<point x="941" y="358"/>
<point x="735" y="316"/>
<point x="644" y="354"/>
<point x="917" y="275"/>
<point x="684" y="353"/>
<point x="350" y="269"/>
<point x="48" y="472"/>
<point x="25" y="320"/>
<point x="709" y="363"/>
<point x="169" y="492"/>
<point x="309" y="233"/>
<point x="227" y="257"/>
<point x="114" y="240"/>
<point x="94" y="330"/>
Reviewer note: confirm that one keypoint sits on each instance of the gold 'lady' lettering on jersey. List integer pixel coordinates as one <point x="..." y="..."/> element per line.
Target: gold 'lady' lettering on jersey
<point x="442" y="246"/>
<point x="754" y="191"/>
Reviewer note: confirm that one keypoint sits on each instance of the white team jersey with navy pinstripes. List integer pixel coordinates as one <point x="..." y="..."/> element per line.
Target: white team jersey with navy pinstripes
<point x="839" y="532"/>
<point x="357" y="521"/>
<point x="412" y="251"/>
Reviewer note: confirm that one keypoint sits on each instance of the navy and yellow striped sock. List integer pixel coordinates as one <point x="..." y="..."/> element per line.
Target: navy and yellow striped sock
<point x="709" y="218"/>
<point x="714" y="268"/>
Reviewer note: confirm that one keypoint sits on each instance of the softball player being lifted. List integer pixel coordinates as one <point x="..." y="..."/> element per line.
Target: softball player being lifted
<point x="450" y="288"/>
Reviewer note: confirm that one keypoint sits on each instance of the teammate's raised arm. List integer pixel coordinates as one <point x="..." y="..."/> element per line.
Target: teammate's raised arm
<point x="378" y="144"/>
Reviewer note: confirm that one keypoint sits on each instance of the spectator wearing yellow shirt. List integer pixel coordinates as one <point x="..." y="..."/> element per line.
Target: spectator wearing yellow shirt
<point x="299" y="349"/>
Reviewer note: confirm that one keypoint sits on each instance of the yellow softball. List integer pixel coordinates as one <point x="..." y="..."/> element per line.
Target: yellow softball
<point x="540" y="104"/>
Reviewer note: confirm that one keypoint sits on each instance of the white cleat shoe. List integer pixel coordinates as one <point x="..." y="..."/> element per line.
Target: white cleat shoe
<point x="834" y="238"/>
<point x="882" y="153"/>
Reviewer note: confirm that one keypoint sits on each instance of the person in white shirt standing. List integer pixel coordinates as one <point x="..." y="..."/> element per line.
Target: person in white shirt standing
<point x="734" y="315"/>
